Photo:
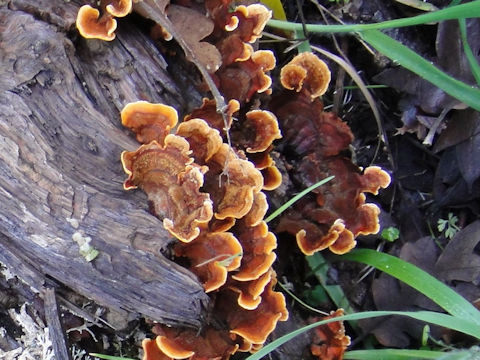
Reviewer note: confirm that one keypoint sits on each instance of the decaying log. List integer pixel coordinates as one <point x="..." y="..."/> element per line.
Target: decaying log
<point x="60" y="173"/>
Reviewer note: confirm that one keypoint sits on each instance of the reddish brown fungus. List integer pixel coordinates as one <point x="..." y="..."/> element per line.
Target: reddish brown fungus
<point x="258" y="245"/>
<point x="330" y="341"/>
<point x="172" y="184"/>
<point x="212" y="256"/>
<point x="119" y="8"/>
<point x="204" y="140"/>
<point x="149" y="121"/>
<point x="306" y="72"/>
<point x="93" y="26"/>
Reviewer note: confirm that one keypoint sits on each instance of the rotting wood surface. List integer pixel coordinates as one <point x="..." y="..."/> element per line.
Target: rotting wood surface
<point x="60" y="141"/>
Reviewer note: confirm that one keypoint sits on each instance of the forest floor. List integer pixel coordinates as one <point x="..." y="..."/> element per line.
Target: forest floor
<point x="431" y="153"/>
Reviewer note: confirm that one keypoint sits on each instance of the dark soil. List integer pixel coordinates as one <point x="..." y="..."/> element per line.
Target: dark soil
<point x="429" y="183"/>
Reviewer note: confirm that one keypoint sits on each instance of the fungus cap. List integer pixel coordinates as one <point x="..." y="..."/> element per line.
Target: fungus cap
<point x="265" y="127"/>
<point x="172" y="184"/>
<point x="234" y="198"/>
<point x="151" y="351"/>
<point x="204" y="141"/>
<point x="306" y="72"/>
<point x="256" y="325"/>
<point x="272" y="178"/>
<point x="329" y="340"/>
<point x="256" y="16"/>
<point x="258" y="244"/>
<point x="171" y="348"/>
<point x="119" y="8"/>
<point x="249" y="293"/>
<point x="149" y="121"/>
<point x="212" y="256"/>
<point x="91" y="26"/>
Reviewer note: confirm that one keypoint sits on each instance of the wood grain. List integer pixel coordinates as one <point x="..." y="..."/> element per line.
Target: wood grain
<point x="60" y="143"/>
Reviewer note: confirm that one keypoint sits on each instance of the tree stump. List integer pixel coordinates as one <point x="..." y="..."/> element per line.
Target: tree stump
<point x="60" y="170"/>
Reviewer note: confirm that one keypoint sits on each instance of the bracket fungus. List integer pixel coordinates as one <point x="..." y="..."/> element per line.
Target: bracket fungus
<point x="204" y="177"/>
<point x="234" y="266"/>
<point x="306" y="73"/>
<point x="118" y="8"/>
<point x="204" y="140"/>
<point x="149" y="121"/>
<point x="333" y="215"/>
<point x="329" y="340"/>
<point x="172" y="184"/>
<point x="212" y="255"/>
<point x="93" y="26"/>
<point x="101" y="24"/>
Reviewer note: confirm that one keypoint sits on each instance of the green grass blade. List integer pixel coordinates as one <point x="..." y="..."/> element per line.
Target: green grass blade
<point x="319" y="266"/>
<point x="420" y="280"/>
<point x="474" y="66"/>
<point x="448" y="321"/>
<point x="297" y="197"/>
<point x="468" y="10"/>
<point x="415" y="63"/>
<point x="392" y="354"/>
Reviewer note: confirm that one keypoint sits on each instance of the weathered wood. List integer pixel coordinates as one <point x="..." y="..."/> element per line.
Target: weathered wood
<point x="60" y="174"/>
<point x="59" y="343"/>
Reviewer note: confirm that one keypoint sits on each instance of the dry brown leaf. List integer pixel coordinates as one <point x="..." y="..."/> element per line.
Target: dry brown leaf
<point x="193" y="27"/>
<point x="459" y="261"/>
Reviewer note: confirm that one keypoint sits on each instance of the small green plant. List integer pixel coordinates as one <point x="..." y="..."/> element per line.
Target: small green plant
<point x="448" y="226"/>
<point x="390" y="234"/>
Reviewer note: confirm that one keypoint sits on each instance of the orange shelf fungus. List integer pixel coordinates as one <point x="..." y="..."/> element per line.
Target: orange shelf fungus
<point x="171" y="349"/>
<point x="254" y="133"/>
<point x="212" y="256"/>
<point x="258" y="245"/>
<point x="307" y="73"/>
<point x="208" y="344"/>
<point x="258" y="210"/>
<point x="204" y="140"/>
<point x="172" y="184"/>
<point x="250" y="291"/>
<point x="149" y="121"/>
<point x="233" y="197"/>
<point x="249" y="21"/>
<point x="118" y="8"/>
<point x="208" y="112"/>
<point x="240" y="80"/>
<point x="261" y="129"/>
<point x="272" y="178"/>
<point x="330" y="341"/>
<point x="234" y="266"/>
<point x="333" y="215"/>
<point x="254" y="325"/>
<point x="151" y="351"/>
<point x="93" y="26"/>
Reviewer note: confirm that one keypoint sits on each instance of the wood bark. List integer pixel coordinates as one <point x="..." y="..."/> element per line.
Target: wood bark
<point x="60" y="170"/>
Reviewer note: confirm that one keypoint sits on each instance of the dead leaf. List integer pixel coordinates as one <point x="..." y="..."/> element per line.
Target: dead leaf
<point x="468" y="152"/>
<point x="449" y="186"/>
<point x="424" y="97"/>
<point x="461" y="126"/>
<point x="458" y="265"/>
<point x="194" y="27"/>
<point x="459" y="261"/>
<point x="391" y="294"/>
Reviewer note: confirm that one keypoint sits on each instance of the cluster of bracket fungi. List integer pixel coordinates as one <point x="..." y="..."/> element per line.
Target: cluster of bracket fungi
<point x="205" y="178"/>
